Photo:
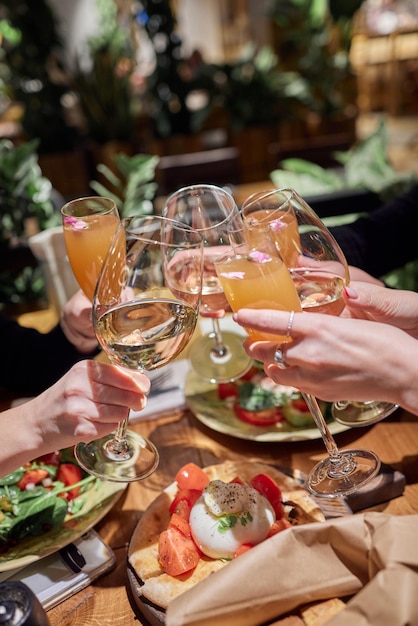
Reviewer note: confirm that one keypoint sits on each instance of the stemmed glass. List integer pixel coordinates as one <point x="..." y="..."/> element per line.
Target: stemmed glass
<point x="145" y="309"/>
<point x="88" y="224"/>
<point x="211" y="211"/>
<point x="255" y="276"/>
<point x="302" y="238"/>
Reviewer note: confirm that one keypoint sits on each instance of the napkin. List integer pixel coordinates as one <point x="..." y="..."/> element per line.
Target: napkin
<point x="371" y="556"/>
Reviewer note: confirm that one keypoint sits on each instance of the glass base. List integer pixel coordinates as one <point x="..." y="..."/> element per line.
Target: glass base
<point x="137" y="461"/>
<point x="355" y="414"/>
<point x="333" y="479"/>
<point x="218" y="368"/>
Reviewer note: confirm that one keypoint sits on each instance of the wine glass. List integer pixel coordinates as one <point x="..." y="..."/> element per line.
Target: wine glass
<point x="254" y="278"/>
<point x="145" y="310"/>
<point x="301" y="238"/>
<point x="211" y="211"/>
<point x="88" y="224"/>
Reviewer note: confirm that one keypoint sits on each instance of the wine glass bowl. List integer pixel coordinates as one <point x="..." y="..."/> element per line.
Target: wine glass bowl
<point x="145" y="309"/>
<point x="89" y="224"/>
<point x="210" y="210"/>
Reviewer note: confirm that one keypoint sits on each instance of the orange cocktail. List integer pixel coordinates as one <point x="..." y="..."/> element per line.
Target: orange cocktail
<point x="89" y="225"/>
<point x="258" y="280"/>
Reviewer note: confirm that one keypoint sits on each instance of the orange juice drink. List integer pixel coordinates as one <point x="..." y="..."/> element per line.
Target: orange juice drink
<point x="282" y="227"/>
<point x="87" y="240"/>
<point x="258" y="281"/>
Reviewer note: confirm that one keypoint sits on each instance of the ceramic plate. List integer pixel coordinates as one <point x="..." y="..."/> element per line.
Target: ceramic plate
<point x="102" y="496"/>
<point x="202" y="399"/>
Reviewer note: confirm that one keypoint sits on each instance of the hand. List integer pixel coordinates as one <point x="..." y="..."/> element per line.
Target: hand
<point x="76" y="323"/>
<point x="381" y="304"/>
<point x="334" y="358"/>
<point x="358" y="275"/>
<point x="85" y="404"/>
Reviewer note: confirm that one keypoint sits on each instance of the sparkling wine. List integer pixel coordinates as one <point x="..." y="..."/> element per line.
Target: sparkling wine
<point x="146" y="334"/>
<point x="319" y="292"/>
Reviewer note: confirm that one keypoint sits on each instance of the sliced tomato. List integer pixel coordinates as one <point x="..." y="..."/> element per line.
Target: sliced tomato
<point x="53" y="458"/>
<point x="177" y="554"/>
<point x="182" y="524"/>
<point x="32" y="477"/>
<point x="191" y="476"/>
<point x="265" y="417"/>
<point x="69" y="474"/>
<point x="183" y="502"/>
<point x="237" y="480"/>
<point x="243" y="548"/>
<point x="270" y="490"/>
<point x="278" y="526"/>
<point x="227" y="390"/>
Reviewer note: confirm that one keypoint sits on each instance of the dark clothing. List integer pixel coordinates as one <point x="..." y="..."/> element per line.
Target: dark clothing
<point x="385" y="239"/>
<point x="32" y="361"/>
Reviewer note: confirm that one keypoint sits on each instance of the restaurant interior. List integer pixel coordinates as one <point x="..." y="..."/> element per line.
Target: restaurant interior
<point x="136" y="99"/>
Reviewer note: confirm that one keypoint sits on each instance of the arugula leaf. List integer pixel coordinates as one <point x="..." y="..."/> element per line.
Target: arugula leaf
<point x="256" y="398"/>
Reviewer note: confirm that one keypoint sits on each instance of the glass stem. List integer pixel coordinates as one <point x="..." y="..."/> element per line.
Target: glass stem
<point x="118" y="445"/>
<point x="321" y="425"/>
<point x="219" y="347"/>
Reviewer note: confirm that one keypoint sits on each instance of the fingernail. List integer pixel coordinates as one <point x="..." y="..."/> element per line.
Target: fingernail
<point x="234" y="317"/>
<point x="350" y="293"/>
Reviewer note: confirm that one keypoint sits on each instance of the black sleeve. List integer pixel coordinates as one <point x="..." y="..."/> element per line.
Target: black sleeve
<point x="32" y="361"/>
<point x="385" y="239"/>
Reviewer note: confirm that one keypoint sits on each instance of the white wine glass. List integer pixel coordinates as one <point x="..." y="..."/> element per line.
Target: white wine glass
<point x="145" y="310"/>
<point x="303" y="239"/>
<point x="89" y="224"/>
<point x="211" y="211"/>
<point x="317" y="280"/>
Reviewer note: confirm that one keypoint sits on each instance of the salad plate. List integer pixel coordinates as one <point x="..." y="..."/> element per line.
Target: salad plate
<point x="203" y="401"/>
<point x="90" y="507"/>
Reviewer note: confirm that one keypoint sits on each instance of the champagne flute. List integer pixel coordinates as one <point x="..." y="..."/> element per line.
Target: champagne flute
<point x="211" y="211"/>
<point x="145" y="310"/>
<point x="89" y="224"/>
<point x="308" y="248"/>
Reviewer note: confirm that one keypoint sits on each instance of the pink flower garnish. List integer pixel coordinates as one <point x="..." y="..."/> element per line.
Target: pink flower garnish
<point x="238" y="275"/>
<point x="259" y="257"/>
<point x="75" y="223"/>
<point x="277" y="225"/>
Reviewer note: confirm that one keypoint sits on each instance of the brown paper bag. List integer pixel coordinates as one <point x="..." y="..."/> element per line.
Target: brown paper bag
<point x="310" y="563"/>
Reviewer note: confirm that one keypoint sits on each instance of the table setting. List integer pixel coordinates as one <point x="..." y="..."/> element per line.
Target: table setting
<point x="339" y="504"/>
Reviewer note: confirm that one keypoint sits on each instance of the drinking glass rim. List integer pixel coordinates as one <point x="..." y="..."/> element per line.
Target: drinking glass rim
<point x="95" y="202"/>
<point x="162" y="219"/>
<point x="260" y="196"/>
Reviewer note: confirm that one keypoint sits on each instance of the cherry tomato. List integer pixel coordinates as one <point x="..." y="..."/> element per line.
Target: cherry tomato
<point x="183" y="502"/>
<point x="32" y="477"/>
<point x="265" y="417"/>
<point x="69" y="474"/>
<point x="278" y="526"/>
<point x="270" y="490"/>
<point x="53" y="458"/>
<point x="191" y="476"/>
<point x="227" y="390"/>
<point x="182" y="525"/>
<point x="243" y="548"/>
<point x="177" y="554"/>
<point x="237" y="480"/>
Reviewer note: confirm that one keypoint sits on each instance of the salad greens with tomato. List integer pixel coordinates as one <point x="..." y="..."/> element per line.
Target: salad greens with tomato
<point x="38" y="496"/>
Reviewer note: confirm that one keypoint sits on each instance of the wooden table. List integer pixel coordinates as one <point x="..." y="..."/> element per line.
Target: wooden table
<point x="182" y="438"/>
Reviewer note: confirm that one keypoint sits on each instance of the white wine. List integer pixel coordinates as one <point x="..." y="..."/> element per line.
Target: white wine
<point x="146" y="334"/>
<point x="319" y="292"/>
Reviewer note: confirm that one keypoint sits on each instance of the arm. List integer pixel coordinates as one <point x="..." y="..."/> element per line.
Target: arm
<point x="335" y="358"/>
<point x="85" y="404"/>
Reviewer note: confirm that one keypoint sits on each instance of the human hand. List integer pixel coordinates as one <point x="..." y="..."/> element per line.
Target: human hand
<point x="76" y="323"/>
<point x="391" y="306"/>
<point x="85" y="404"/>
<point x="333" y="358"/>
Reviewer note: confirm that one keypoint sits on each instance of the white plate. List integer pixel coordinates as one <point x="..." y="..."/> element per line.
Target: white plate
<point x="202" y="399"/>
<point x="102" y="496"/>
